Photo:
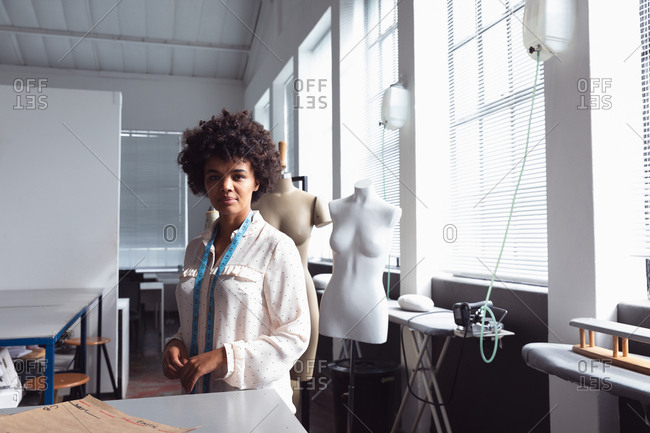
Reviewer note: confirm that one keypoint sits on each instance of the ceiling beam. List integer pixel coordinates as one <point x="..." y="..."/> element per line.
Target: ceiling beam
<point x="123" y="39"/>
<point x="14" y="43"/>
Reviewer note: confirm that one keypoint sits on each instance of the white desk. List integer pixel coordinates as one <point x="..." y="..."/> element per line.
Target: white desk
<point x="40" y="316"/>
<point x="44" y="297"/>
<point x="237" y="411"/>
<point x="160" y="287"/>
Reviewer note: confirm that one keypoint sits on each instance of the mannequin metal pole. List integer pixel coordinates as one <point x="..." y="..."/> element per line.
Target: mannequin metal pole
<point x="351" y="390"/>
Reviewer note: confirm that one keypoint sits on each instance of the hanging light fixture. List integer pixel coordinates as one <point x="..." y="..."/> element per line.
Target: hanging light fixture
<point x="395" y="107"/>
<point x="548" y="26"/>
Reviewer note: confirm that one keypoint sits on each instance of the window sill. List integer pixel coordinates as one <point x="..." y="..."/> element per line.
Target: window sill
<point x="486" y="283"/>
<point x="637" y="303"/>
<point x="330" y="262"/>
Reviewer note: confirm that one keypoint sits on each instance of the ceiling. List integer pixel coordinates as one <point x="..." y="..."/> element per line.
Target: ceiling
<point x="197" y="38"/>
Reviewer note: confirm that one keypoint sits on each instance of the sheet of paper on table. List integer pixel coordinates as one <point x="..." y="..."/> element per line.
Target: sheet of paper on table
<point x="86" y="414"/>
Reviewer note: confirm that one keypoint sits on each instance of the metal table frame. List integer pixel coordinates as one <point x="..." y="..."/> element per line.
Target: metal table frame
<point x="60" y="307"/>
<point x="422" y="328"/>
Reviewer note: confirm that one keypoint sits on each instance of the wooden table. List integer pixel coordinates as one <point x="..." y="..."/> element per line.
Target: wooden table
<point x="41" y="316"/>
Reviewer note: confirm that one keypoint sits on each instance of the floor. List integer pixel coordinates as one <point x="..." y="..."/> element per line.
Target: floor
<point x="146" y="378"/>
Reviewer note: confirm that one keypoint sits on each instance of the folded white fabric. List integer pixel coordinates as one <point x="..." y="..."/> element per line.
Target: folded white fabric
<point x="415" y="303"/>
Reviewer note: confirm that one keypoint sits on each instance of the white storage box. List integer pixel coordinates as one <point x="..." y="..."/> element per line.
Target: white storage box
<point x="11" y="391"/>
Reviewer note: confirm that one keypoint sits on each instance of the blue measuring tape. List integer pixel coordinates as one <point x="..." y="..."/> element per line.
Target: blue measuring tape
<point x="194" y="348"/>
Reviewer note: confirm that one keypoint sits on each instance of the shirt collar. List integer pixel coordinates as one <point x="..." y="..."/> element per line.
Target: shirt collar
<point x="257" y="222"/>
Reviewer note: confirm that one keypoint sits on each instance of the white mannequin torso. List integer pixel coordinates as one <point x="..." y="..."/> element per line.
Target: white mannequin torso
<point x="354" y="304"/>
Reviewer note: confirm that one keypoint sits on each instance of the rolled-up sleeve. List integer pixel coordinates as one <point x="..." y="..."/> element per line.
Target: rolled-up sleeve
<point x="254" y="363"/>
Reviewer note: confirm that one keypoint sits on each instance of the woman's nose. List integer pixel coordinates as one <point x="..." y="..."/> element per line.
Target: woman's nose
<point x="226" y="184"/>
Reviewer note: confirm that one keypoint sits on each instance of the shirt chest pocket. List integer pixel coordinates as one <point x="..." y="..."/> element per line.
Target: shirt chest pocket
<point x="186" y="283"/>
<point x="243" y="281"/>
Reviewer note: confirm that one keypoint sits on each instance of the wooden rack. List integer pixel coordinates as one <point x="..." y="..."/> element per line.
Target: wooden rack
<point x="617" y="331"/>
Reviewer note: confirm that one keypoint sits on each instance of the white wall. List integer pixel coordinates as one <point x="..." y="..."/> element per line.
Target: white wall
<point x="154" y="103"/>
<point x="590" y="153"/>
<point x="150" y="102"/>
<point x="285" y="25"/>
<point x="58" y="167"/>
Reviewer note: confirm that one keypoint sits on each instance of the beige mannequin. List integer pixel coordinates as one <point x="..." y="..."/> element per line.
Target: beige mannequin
<point x="210" y="216"/>
<point x="294" y="212"/>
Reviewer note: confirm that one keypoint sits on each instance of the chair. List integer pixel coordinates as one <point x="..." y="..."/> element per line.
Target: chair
<point x="61" y="381"/>
<point x="95" y="341"/>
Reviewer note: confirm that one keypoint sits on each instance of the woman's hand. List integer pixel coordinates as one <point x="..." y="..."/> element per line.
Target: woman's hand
<point x="200" y="365"/>
<point x="174" y="358"/>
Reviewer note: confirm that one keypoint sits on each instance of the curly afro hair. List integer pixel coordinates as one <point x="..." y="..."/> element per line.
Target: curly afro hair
<point x="230" y="137"/>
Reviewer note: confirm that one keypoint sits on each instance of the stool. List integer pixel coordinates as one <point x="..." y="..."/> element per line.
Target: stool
<point x="61" y="381"/>
<point x="96" y="341"/>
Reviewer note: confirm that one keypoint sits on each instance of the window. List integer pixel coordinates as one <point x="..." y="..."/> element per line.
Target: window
<point x="262" y="111"/>
<point x="153" y="201"/>
<point x="369" y="65"/>
<point x="312" y="98"/>
<point x="644" y="12"/>
<point x="288" y="122"/>
<point x="490" y="88"/>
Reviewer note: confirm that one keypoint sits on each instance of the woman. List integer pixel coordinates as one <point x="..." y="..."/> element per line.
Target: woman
<point x="244" y="317"/>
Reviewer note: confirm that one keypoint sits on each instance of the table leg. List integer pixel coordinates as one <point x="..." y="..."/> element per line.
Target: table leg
<point x="411" y="380"/>
<point x="416" y="421"/>
<point x="84" y="348"/>
<point x="423" y="343"/>
<point x="162" y="319"/>
<point x="49" y="373"/>
<point x="99" y="354"/>
<point x="434" y="382"/>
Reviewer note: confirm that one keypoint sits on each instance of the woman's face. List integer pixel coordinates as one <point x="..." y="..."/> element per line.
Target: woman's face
<point x="230" y="186"/>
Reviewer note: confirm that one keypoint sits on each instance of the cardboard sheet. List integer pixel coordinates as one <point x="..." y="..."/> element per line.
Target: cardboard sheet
<point x="85" y="415"/>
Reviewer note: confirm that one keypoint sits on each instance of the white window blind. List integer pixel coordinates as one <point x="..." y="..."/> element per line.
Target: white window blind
<point x="491" y="79"/>
<point x="153" y="201"/>
<point x="368" y="69"/>
<point x="644" y="12"/>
